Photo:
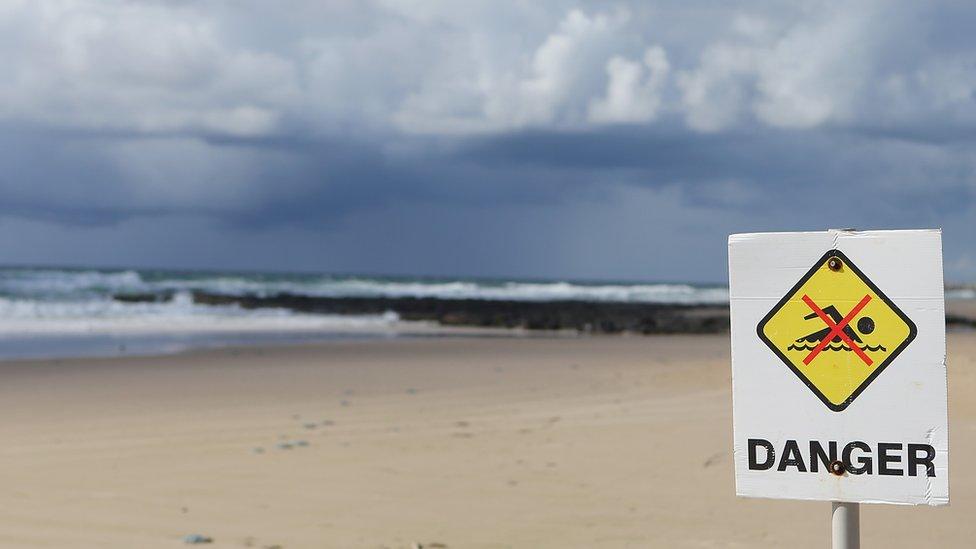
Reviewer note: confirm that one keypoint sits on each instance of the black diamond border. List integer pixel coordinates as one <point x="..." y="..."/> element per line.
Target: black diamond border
<point x="912" y="330"/>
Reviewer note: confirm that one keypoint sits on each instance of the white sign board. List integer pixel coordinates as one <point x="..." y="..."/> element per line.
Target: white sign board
<point x="838" y="366"/>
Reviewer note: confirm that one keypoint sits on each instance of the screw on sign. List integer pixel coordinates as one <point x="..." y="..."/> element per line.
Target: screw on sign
<point x="838" y="369"/>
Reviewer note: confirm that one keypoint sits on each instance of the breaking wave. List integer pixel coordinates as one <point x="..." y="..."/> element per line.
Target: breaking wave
<point x="82" y="301"/>
<point x="69" y="283"/>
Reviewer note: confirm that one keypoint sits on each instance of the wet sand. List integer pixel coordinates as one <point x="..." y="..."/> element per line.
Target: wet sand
<point x="619" y="441"/>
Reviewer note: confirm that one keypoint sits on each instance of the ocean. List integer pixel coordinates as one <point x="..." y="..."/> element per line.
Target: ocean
<point x="60" y="312"/>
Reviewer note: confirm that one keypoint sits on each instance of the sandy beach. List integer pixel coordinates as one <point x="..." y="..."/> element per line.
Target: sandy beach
<point x="609" y="441"/>
<point x="415" y="274"/>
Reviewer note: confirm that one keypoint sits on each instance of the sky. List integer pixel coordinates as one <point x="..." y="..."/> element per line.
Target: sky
<point x="582" y="140"/>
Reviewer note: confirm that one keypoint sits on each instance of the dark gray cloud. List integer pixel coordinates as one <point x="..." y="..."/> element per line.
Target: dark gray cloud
<point x="563" y="139"/>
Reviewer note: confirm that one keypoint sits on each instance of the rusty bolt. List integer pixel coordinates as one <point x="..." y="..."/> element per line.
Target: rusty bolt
<point x="837" y="467"/>
<point x="834" y="264"/>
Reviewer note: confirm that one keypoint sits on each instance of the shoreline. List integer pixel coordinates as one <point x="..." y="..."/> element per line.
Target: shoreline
<point x="659" y="320"/>
<point x="316" y="342"/>
<point x="46" y="347"/>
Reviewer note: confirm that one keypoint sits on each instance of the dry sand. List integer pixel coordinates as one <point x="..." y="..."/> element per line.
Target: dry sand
<point x="468" y="443"/>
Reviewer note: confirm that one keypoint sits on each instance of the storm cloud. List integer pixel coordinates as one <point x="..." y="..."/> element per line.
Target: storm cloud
<point x="555" y="139"/>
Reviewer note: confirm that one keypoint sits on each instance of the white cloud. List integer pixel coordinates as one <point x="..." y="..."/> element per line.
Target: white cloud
<point x="435" y="67"/>
<point x="714" y="95"/>
<point x="559" y="69"/>
<point x="135" y="67"/>
<point x="814" y="73"/>
<point x="552" y="86"/>
<point x="805" y="75"/>
<point x="631" y="95"/>
<point x="843" y="65"/>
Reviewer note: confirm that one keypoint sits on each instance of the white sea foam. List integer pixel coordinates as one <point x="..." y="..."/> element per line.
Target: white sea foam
<point x="51" y="282"/>
<point x="178" y="315"/>
<point x="61" y="283"/>
<point x="526" y="291"/>
<point x="961" y="293"/>
<point x="517" y="291"/>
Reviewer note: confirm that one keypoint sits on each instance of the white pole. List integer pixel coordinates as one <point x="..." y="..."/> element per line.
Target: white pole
<point x="845" y="525"/>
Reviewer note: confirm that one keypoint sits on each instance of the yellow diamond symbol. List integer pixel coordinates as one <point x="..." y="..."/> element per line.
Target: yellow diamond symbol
<point x="836" y="330"/>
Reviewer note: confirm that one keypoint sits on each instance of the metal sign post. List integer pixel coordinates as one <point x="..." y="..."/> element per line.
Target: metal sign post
<point x="845" y="525"/>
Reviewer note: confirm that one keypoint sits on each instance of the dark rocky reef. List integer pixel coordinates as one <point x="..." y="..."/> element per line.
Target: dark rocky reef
<point x="959" y="321"/>
<point x="146" y="297"/>
<point x="583" y="316"/>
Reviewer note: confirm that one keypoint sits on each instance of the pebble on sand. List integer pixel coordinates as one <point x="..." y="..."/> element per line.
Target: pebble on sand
<point x="194" y="539"/>
<point x="289" y="444"/>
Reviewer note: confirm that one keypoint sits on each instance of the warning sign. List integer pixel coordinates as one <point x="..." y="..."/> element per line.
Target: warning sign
<point x="836" y="330"/>
<point x="839" y="366"/>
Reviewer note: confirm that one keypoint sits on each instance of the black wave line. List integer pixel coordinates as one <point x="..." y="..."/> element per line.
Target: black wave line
<point x="840" y="347"/>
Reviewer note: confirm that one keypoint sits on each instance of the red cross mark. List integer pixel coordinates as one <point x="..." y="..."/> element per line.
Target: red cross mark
<point x="836" y="330"/>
